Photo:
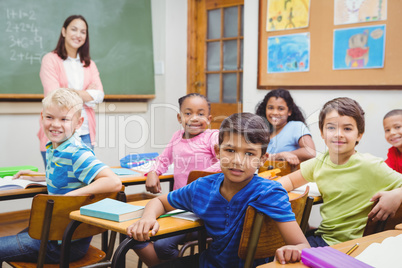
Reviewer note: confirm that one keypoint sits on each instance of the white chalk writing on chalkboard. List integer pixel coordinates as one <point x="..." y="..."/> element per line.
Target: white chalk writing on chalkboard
<point x="23" y="35"/>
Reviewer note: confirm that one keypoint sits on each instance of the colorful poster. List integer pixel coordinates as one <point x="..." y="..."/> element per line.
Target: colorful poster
<point x="356" y="11"/>
<point x="359" y="48"/>
<point x="287" y="14"/>
<point x="289" y="53"/>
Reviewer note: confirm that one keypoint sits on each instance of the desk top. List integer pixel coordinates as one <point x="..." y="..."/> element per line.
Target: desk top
<point x="364" y="242"/>
<point x="22" y="193"/>
<point x="399" y="226"/>
<point x="127" y="180"/>
<point x="32" y="191"/>
<point x="167" y="224"/>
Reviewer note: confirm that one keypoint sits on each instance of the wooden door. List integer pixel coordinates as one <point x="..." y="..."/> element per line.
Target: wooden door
<point x="215" y="54"/>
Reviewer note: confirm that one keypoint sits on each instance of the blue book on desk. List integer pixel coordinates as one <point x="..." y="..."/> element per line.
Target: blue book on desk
<point x="125" y="171"/>
<point x="111" y="209"/>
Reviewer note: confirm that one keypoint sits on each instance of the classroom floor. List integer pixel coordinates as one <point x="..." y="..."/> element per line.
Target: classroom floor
<point x="131" y="258"/>
<point x="14" y="227"/>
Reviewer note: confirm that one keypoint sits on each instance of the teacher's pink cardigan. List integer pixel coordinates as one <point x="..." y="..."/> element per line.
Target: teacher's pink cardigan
<point x="53" y="76"/>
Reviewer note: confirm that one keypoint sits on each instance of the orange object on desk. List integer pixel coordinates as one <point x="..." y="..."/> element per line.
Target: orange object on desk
<point x="270" y="174"/>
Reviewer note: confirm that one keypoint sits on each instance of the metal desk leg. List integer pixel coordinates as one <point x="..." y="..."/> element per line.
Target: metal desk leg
<point x="119" y="257"/>
<point x="202" y="240"/>
<point x="171" y="184"/>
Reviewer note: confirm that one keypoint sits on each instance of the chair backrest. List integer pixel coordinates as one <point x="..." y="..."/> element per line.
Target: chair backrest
<point x="260" y="237"/>
<point x="60" y="215"/>
<point x="195" y="174"/>
<point x="284" y="166"/>
<point x="379" y="226"/>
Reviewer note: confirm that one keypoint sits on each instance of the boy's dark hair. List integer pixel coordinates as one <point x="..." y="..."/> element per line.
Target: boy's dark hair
<point x="296" y="115"/>
<point x="252" y="127"/>
<point x="83" y="51"/>
<point x="393" y="112"/>
<point x="181" y="100"/>
<point x="345" y="107"/>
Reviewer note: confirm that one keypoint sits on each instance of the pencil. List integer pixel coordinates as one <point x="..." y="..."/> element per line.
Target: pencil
<point x="352" y="249"/>
<point x="34" y="175"/>
<point x="170" y="214"/>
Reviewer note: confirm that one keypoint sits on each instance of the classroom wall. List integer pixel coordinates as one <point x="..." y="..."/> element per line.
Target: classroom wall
<point x="375" y="103"/>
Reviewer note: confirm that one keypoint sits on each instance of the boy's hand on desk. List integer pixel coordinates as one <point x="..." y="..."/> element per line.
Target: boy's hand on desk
<point x="152" y="184"/>
<point x="287" y="254"/>
<point x="388" y="203"/>
<point x="30" y="175"/>
<point x="140" y="229"/>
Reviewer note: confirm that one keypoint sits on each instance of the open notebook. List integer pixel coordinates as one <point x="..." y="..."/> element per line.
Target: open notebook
<point x="313" y="189"/>
<point x="7" y="183"/>
<point x="383" y="255"/>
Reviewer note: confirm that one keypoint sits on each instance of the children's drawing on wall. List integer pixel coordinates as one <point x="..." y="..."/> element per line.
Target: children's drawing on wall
<point x="355" y="11"/>
<point x="287" y="14"/>
<point x="289" y="53"/>
<point x="359" y="48"/>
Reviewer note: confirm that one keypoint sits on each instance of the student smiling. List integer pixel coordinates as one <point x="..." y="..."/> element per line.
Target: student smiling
<point x="349" y="181"/>
<point x="290" y="138"/>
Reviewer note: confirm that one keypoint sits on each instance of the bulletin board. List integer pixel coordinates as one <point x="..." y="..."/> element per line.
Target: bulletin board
<point x="321" y="74"/>
<point x="120" y="34"/>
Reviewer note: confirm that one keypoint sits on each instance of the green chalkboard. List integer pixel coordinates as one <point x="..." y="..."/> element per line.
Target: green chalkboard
<point x="120" y="34"/>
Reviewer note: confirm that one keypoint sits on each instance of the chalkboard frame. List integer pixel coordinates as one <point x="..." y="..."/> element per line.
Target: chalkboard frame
<point x="39" y="97"/>
<point x="321" y="26"/>
<point x="142" y="90"/>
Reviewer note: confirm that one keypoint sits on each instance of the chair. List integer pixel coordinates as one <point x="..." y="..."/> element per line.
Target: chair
<point x="284" y="166"/>
<point x="261" y="238"/>
<point x="50" y="218"/>
<point x="379" y="226"/>
<point x="195" y="174"/>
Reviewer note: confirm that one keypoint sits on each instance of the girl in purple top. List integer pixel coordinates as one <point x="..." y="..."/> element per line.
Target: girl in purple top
<point x="191" y="148"/>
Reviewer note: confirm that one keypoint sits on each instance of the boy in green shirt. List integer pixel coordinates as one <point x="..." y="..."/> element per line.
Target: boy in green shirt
<point x="349" y="181"/>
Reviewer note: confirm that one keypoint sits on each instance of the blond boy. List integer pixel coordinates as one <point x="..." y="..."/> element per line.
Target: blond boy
<point x="72" y="169"/>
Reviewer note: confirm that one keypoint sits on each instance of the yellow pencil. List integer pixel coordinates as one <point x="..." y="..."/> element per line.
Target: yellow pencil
<point x="352" y="249"/>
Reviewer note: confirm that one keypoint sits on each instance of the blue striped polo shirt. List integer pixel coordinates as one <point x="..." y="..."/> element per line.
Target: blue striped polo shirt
<point x="224" y="220"/>
<point x="70" y="166"/>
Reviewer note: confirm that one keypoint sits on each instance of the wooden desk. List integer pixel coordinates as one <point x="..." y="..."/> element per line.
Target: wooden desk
<point x="31" y="192"/>
<point x="22" y="193"/>
<point x="398" y="227"/>
<point x="168" y="227"/>
<point x="135" y="180"/>
<point x="364" y="242"/>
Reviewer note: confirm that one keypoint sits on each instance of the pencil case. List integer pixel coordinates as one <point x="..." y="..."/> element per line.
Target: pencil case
<point x="10" y="171"/>
<point x="327" y="257"/>
<point x="134" y="160"/>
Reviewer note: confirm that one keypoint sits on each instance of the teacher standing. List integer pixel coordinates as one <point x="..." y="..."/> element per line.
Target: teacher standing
<point x="69" y="65"/>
